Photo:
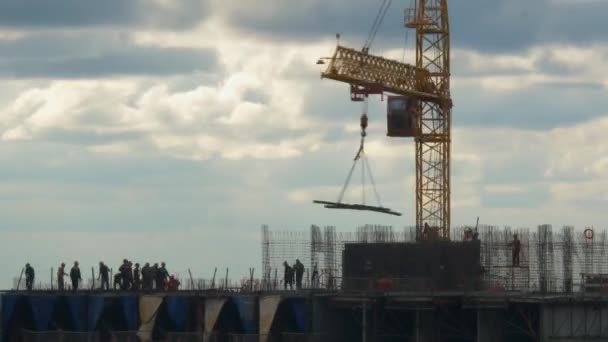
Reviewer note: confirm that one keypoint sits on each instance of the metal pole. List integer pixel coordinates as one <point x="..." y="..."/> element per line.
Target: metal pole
<point x="417" y="325"/>
<point x="20" y="276"/>
<point x="213" y="280"/>
<point x="364" y="325"/>
<point x="226" y="280"/>
<point x="276" y="278"/>
<point x="191" y="279"/>
<point x="51" y="279"/>
<point x="251" y="270"/>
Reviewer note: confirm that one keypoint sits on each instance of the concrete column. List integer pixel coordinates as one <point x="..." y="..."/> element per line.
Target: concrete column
<point x="426" y="329"/>
<point x="490" y="324"/>
<point x="364" y="322"/>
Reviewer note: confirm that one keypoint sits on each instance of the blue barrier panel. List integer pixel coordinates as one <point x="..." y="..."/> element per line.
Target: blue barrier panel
<point x="247" y="310"/>
<point x="299" y="312"/>
<point x="129" y="306"/>
<point x="8" y="308"/>
<point x="78" y="310"/>
<point x="42" y="310"/>
<point x="177" y="309"/>
<point x="96" y="306"/>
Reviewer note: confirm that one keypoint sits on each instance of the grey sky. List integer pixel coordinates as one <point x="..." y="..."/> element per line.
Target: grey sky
<point x="33" y="14"/>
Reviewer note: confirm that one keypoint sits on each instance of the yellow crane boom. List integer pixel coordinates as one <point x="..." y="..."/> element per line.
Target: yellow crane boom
<point x="362" y="69"/>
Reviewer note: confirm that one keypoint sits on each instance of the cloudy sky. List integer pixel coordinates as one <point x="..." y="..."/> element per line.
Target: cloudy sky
<point x="172" y="130"/>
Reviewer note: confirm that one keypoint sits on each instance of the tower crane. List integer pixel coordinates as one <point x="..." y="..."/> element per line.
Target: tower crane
<point x="426" y="87"/>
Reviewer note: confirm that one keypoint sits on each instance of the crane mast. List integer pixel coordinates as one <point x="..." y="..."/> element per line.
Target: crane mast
<point x="433" y="143"/>
<point x="427" y="84"/>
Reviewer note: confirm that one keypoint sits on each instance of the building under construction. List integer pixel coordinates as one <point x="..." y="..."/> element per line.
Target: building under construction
<point x="433" y="283"/>
<point x="374" y="284"/>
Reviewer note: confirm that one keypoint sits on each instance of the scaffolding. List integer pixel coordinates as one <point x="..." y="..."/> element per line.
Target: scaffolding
<point x="551" y="260"/>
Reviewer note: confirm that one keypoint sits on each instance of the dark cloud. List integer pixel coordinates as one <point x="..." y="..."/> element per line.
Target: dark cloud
<point x="542" y="107"/>
<point x="499" y="26"/>
<point x="533" y="197"/>
<point x="71" y="13"/>
<point x="95" y="55"/>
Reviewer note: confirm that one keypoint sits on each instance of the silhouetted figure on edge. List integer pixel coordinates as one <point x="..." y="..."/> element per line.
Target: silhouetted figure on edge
<point x="299" y="271"/>
<point x="136" y="278"/>
<point x="104" y="275"/>
<point x="162" y="276"/>
<point x="288" y="276"/>
<point x="60" y="274"/>
<point x="515" y="249"/>
<point x="75" y="276"/>
<point x="148" y="278"/>
<point x="29" y="277"/>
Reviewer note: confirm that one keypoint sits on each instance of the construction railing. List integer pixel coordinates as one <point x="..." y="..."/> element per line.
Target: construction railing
<point x="296" y="337"/>
<point x="59" y="336"/>
<point x="191" y="337"/>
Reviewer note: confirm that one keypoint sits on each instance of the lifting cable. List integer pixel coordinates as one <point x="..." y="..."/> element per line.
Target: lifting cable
<point x="405" y="43"/>
<point x="376" y="24"/>
<point x="365" y="168"/>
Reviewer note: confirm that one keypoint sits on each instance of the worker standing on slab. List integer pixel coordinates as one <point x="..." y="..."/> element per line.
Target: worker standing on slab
<point x="288" y="276"/>
<point x="162" y="275"/>
<point x="314" y="279"/>
<point x="146" y="273"/>
<point x="136" y="278"/>
<point x="173" y="283"/>
<point x="104" y="274"/>
<point x="60" y="274"/>
<point x="29" y="277"/>
<point x="299" y="270"/>
<point x="117" y="281"/>
<point x="515" y="249"/>
<point x="157" y="281"/>
<point x="124" y="274"/>
<point x="75" y="276"/>
<point x="129" y="284"/>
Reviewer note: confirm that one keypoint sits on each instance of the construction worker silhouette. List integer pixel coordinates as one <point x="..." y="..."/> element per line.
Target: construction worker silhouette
<point x="29" y="277"/>
<point x="299" y="271"/>
<point x="75" y="276"/>
<point x="288" y="276"/>
<point x="515" y="249"/>
<point x="60" y="274"/>
<point x="104" y="274"/>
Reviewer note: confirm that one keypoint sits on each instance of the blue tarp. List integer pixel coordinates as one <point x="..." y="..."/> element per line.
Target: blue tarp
<point x="177" y="309"/>
<point x="130" y="309"/>
<point x="96" y="307"/>
<point x="78" y="309"/>
<point x="8" y="307"/>
<point x="299" y="312"/>
<point x="42" y="310"/>
<point x="247" y="310"/>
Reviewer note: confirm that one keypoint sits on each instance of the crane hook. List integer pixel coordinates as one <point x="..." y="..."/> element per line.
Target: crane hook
<point x="363" y="123"/>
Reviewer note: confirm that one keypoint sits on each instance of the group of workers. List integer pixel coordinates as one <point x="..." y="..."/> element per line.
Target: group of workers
<point x="128" y="278"/>
<point x="131" y="277"/>
<point x="296" y="271"/>
<point x="75" y="276"/>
